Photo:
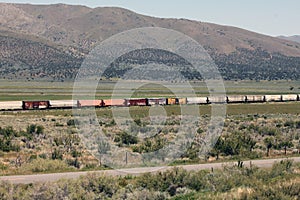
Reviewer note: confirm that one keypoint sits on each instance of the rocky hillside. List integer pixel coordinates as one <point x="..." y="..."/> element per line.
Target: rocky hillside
<point x="30" y="58"/>
<point x="50" y="41"/>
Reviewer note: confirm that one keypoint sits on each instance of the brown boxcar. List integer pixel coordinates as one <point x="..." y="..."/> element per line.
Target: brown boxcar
<point x="28" y="105"/>
<point x="114" y="102"/>
<point x="90" y="103"/>
<point x="136" y="102"/>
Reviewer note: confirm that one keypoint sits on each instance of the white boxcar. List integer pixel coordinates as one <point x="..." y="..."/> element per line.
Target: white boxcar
<point x="289" y="97"/>
<point x="10" y="105"/>
<point x="255" y="98"/>
<point x="273" y="98"/>
<point x="196" y="100"/>
<point x="63" y="103"/>
<point x="157" y="101"/>
<point x="217" y="99"/>
<point x="236" y="99"/>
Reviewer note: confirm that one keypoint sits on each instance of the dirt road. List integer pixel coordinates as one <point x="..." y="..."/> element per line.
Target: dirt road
<point x="25" y="179"/>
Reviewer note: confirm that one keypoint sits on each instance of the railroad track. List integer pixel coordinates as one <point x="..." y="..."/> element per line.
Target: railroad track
<point x="69" y="104"/>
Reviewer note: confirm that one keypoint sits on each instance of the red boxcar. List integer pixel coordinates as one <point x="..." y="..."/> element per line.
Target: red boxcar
<point x="28" y="105"/>
<point x="136" y="102"/>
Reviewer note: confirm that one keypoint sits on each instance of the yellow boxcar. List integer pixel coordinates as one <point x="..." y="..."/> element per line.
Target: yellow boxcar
<point x="171" y="101"/>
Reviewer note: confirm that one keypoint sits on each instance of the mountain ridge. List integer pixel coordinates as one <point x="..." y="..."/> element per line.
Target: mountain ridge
<point x="76" y="30"/>
<point x="82" y="18"/>
<point x="294" y="38"/>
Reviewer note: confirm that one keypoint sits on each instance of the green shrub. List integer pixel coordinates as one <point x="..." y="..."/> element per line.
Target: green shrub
<point x="72" y="122"/>
<point x="125" y="138"/>
<point x="289" y="123"/>
<point x="3" y="166"/>
<point x="57" y="154"/>
<point x="44" y="165"/>
<point x="43" y="156"/>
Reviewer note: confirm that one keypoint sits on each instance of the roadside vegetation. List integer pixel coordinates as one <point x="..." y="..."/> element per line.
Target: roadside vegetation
<point x="48" y="141"/>
<point x="51" y="143"/>
<point x="231" y="182"/>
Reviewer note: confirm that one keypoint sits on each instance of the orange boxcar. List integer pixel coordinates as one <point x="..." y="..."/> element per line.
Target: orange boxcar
<point x="114" y="102"/>
<point x="172" y="101"/>
<point x="90" y="103"/>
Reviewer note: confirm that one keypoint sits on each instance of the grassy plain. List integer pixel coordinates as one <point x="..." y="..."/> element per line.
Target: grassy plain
<point x="29" y="90"/>
<point x="62" y="137"/>
<point x="58" y="132"/>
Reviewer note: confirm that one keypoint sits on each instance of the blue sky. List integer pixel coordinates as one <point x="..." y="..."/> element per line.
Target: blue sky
<point x="271" y="17"/>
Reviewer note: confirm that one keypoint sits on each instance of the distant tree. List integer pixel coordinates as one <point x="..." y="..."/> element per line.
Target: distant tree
<point x="103" y="148"/>
<point x="285" y="144"/>
<point x="269" y="142"/>
<point x="219" y="147"/>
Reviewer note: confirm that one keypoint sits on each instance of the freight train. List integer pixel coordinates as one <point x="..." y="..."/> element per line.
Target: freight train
<point x="68" y="104"/>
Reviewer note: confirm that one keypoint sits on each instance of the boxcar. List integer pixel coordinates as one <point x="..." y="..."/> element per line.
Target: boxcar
<point x="236" y="99"/>
<point x="270" y="98"/>
<point x="289" y="97"/>
<point x="196" y="100"/>
<point x="63" y="103"/>
<point x="136" y="102"/>
<point x="90" y="103"/>
<point x="114" y="102"/>
<point x="255" y="98"/>
<point x="217" y="99"/>
<point x="29" y="105"/>
<point x="172" y="101"/>
<point x="11" y="105"/>
<point x="157" y="101"/>
<point x="182" y="101"/>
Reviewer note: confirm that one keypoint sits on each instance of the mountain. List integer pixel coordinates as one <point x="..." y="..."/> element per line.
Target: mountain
<point x="52" y="40"/>
<point x="294" y="38"/>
